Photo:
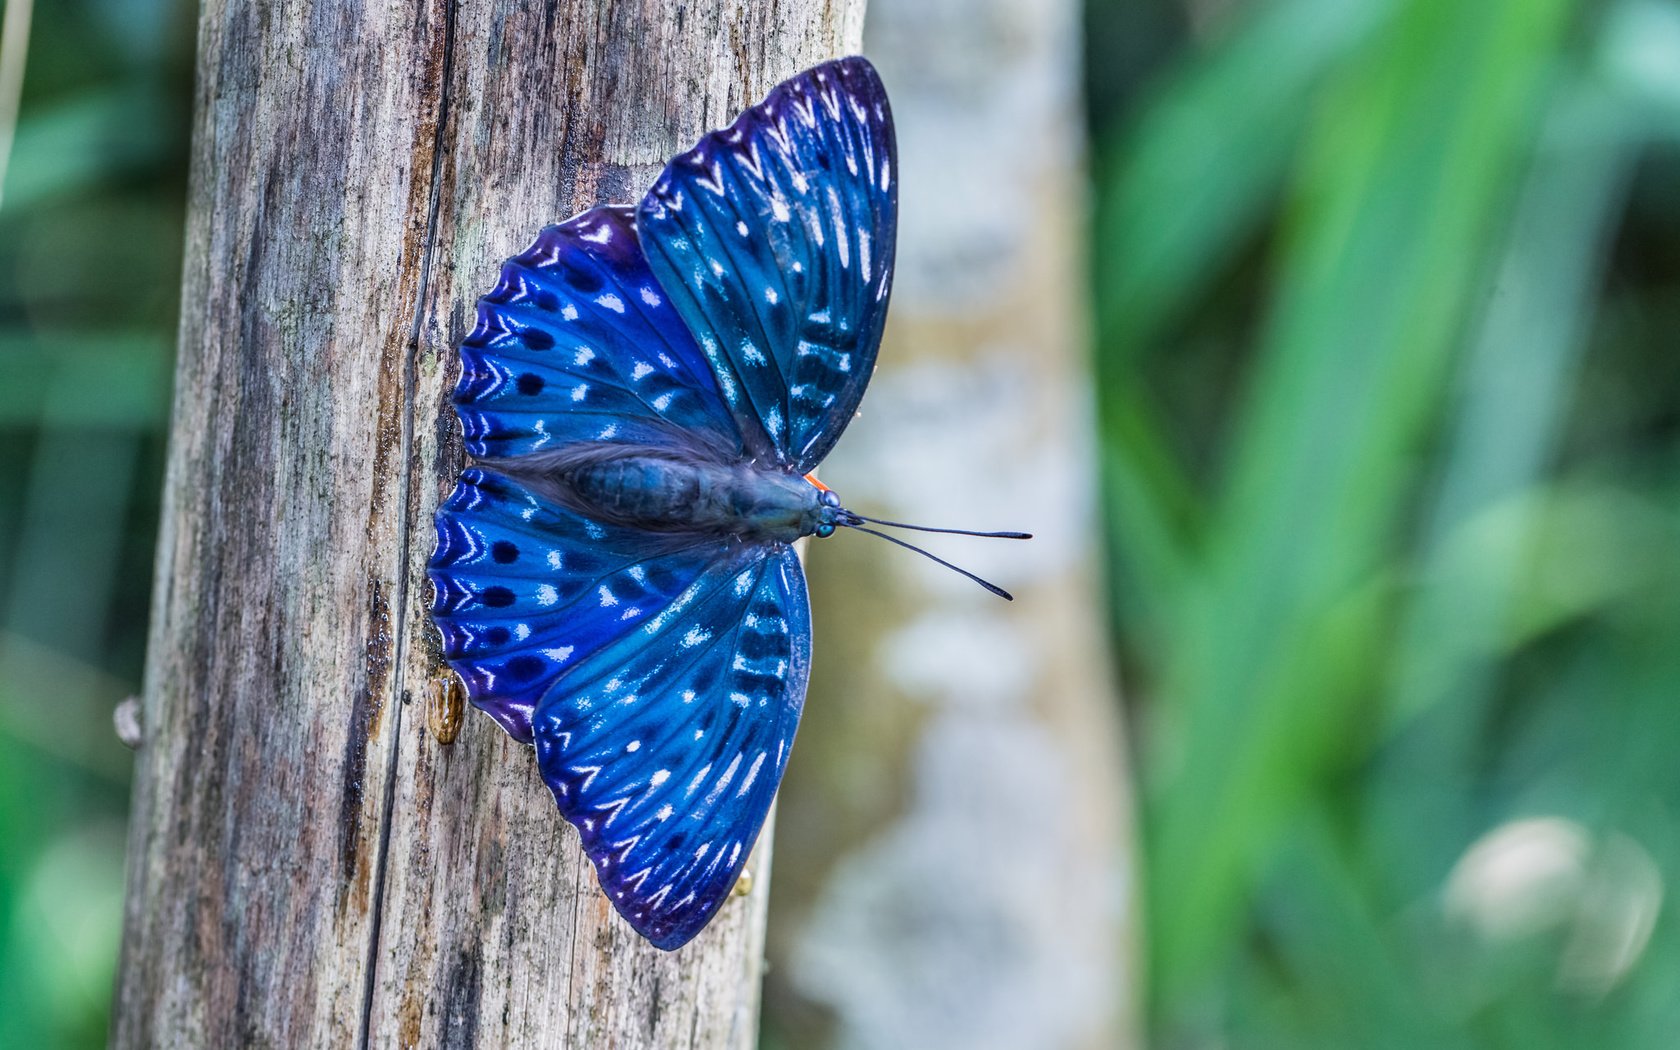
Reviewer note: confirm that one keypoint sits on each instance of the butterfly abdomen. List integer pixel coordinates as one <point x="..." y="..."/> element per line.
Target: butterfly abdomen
<point x="656" y="490"/>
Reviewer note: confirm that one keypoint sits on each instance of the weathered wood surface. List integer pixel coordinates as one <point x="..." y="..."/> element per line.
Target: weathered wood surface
<point x="308" y="866"/>
<point x="956" y="860"/>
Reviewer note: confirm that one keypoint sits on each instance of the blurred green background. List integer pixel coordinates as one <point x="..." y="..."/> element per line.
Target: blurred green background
<point x="90" y="240"/>
<point x="1387" y="319"/>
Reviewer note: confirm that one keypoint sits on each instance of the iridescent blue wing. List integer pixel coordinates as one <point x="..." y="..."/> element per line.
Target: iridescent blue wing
<point x="578" y="343"/>
<point x="774" y="239"/>
<point x="524" y="590"/>
<point x="666" y="748"/>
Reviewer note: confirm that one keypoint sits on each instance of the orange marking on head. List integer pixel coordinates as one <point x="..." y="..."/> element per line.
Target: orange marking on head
<point x="812" y="478"/>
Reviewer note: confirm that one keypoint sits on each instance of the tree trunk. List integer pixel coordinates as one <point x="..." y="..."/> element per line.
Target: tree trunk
<point x="308" y="865"/>
<point x="957" y="860"/>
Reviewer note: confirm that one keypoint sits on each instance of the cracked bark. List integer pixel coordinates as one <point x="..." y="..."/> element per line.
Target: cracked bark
<point x="308" y="866"/>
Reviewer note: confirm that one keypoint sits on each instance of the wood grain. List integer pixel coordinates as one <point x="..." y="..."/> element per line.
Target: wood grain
<point x="308" y="865"/>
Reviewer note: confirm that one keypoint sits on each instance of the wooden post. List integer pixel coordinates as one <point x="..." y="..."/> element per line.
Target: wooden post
<point x="956" y="822"/>
<point x="308" y="865"/>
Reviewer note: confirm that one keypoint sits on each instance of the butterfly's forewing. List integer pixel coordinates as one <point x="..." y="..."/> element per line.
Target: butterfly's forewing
<point x="524" y="590"/>
<point x="774" y="238"/>
<point x="578" y="343"/>
<point x="666" y="747"/>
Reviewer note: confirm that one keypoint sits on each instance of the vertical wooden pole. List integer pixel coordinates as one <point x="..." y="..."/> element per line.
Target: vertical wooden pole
<point x="957" y="859"/>
<point x="308" y="867"/>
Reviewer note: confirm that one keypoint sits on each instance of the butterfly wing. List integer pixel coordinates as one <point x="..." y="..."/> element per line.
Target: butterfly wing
<point x="666" y="747"/>
<point x="662" y="686"/>
<point x="525" y="590"/>
<point x="774" y="239"/>
<point x="577" y="342"/>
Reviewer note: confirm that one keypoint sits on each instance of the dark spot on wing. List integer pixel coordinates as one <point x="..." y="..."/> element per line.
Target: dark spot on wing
<point x="525" y="667"/>
<point x="583" y="279"/>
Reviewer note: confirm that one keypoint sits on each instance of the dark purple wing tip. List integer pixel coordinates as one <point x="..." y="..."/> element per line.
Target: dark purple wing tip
<point x="850" y="81"/>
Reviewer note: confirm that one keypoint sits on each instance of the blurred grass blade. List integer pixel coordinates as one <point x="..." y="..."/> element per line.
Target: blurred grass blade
<point x="1514" y="394"/>
<point x="14" y="51"/>
<point x="1183" y="188"/>
<point x="57" y="381"/>
<point x="70" y="147"/>
<point x="1183" y="191"/>
<point x="1153" y="516"/>
<point x="1640" y="58"/>
<point x="1479" y="536"/>
<point x="1330" y="940"/>
<point x="1411" y="165"/>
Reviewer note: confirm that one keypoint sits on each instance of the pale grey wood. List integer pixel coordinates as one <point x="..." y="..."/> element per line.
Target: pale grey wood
<point x="308" y="866"/>
<point x="956" y="856"/>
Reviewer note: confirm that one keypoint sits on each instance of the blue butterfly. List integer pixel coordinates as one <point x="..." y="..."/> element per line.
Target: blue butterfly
<point x="644" y="392"/>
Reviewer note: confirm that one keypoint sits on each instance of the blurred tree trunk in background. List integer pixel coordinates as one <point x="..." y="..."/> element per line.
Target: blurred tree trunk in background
<point x="955" y="869"/>
<point x="308" y="867"/>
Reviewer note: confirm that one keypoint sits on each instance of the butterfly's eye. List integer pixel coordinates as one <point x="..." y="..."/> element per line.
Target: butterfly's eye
<point x="824" y="531"/>
<point x="830" y="498"/>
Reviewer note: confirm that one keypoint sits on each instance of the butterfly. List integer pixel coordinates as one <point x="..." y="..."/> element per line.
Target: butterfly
<point x="645" y="393"/>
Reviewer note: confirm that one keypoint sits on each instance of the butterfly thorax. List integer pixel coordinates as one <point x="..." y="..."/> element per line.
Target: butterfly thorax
<point x="660" y="490"/>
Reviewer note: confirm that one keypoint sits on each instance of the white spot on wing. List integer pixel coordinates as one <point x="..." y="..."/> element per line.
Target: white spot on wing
<point x="752" y="775"/>
<point x="728" y="775"/>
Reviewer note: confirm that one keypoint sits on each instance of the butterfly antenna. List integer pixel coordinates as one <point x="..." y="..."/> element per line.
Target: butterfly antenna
<point x="990" y="586"/>
<point x="953" y="532"/>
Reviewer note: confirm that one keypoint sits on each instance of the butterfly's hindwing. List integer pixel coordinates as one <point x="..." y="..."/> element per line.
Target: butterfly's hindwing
<point x="666" y="748"/>
<point x="524" y="590"/>
<point x="577" y="342"/>
<point x="774" y="238"/>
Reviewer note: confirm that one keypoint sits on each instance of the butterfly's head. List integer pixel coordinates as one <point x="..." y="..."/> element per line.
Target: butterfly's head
<point x="830" y="514"/>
